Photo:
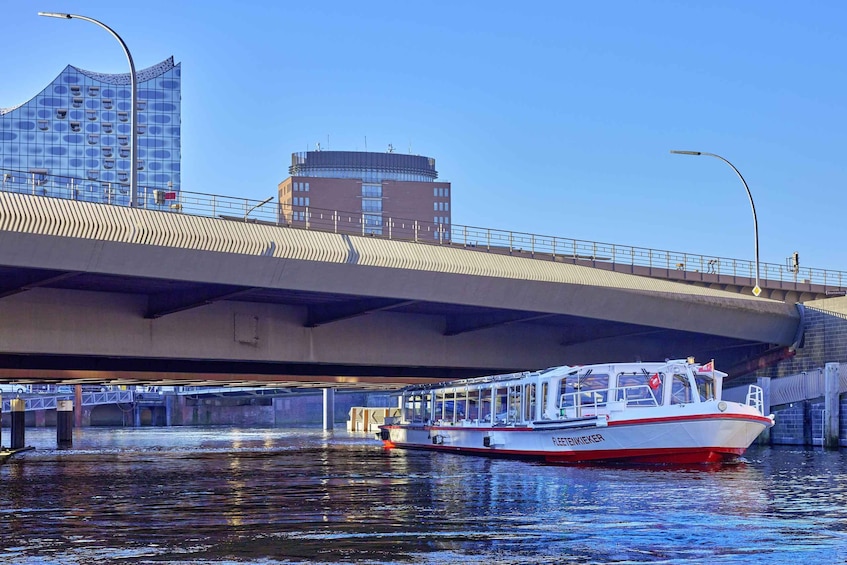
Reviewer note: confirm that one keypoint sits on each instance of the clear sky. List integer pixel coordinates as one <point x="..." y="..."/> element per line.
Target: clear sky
<point x="553" y="118"/>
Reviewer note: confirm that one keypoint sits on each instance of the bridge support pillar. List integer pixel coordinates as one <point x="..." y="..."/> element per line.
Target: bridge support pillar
<point x="329" y="408"/>
<point x="78" y="402"/>
<point x="831" y="407"/>
<point x="18" y="424"/>
<point x="40" y="418"/>
<point x="64" y="423"/>
<point x="765" y="384"/>
<point x="136" y="415"/>
<point x="169" y="410"/>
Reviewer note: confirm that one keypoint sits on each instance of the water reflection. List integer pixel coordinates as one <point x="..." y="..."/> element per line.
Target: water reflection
<point x="211" y="495"/>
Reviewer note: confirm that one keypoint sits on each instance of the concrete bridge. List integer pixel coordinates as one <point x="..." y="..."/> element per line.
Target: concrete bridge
<point x="106" y="294"/>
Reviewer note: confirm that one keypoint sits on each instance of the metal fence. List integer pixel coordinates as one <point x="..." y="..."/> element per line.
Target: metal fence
<point x="807" y="385"/>
<point x="484" y="239"/>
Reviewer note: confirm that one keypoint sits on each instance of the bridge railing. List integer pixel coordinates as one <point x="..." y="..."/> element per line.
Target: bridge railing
<point x="48" y="401"/>
<point x="592" y="253"/>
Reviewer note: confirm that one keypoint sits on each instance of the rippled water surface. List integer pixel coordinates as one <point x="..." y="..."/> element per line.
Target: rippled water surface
<point x="223" y="495"/>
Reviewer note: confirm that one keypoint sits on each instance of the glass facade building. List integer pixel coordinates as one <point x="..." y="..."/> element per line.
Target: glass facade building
<point x="73" y="138"/>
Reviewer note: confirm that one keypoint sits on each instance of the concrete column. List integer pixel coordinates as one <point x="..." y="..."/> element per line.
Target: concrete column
<point x="40" y="418"/>
<point x="169" y="409"/>
<point x="329" y="408"/>
<point x="65" y="423"/>
<point x="832" y="407"/>
<point x="78" y="404"/>
<point x="136" y="415"/>
<point x="765" y="384"/>
<point x="18" y="425"/>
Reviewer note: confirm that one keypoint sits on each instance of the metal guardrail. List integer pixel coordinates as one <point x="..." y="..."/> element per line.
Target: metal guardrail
<point x="48" y="401"/>
<point x="794" y="388"/>
<point x="554" y="248"/>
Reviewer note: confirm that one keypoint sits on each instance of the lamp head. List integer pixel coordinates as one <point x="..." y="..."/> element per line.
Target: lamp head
<point x="685" y="152"/>
<point x="55" y="15"/>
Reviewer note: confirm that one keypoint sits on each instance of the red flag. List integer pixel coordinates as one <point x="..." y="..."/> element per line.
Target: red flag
<point x="707" y="368"/>
<point x="654" y="381"/>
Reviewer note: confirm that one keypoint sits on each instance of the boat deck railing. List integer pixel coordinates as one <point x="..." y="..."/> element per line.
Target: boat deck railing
<point x="610" y="256"/>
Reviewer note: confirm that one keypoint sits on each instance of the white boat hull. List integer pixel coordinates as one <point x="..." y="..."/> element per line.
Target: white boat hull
<point x="701" y="438"/>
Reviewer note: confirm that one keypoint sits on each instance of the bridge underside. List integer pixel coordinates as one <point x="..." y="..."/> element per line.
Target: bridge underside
<point x="76" y="327"/>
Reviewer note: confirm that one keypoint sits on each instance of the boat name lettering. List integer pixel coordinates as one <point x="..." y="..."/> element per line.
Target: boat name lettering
<point x="579" y="440"/>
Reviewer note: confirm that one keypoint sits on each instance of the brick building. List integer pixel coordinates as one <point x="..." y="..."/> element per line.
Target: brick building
<point x="357" y="192"/>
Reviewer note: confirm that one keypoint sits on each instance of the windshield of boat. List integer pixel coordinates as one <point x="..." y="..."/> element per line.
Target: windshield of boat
<point x="705" y="387"/>
<point x="681" y="388"/>
<point x="640" y="388"/>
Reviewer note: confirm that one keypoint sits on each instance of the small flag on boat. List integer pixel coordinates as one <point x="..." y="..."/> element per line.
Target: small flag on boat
<point x="654" y="381"/>
<point x="708" y="367"/>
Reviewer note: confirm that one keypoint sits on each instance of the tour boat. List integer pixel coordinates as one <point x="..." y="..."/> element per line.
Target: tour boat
<point x="655" y="412"/>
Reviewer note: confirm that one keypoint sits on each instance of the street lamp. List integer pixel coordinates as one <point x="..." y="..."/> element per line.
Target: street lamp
<point x="133" y="149"/>
<point x="262" y="203"/>
<point x="756" y="289"/>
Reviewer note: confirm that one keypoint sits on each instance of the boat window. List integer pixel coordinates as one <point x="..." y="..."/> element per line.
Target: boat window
<point x="705" y="387"/>
<point x="593" y="387"/>
<point x="514" y="411"/>
<point x="529" y="404"/>
<point x="472" y="407"/>
<point x="416" y="408"/>
<point x="681" y="389"/>
<point x="640" y="389"/>
<point x="545" y="387"/>
<point x="485" y="404"/>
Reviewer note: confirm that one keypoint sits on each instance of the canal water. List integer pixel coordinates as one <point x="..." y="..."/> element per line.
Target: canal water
<point x="224" y="495"/>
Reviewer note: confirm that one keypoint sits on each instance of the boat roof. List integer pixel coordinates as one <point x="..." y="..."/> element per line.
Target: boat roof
<point x="563" y="370"/>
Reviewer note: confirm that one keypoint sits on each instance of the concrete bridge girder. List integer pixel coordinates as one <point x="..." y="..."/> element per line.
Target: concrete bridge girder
<point x="290" y="300"/>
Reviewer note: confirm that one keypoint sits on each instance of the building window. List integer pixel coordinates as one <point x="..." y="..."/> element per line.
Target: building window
<point x="371" y="190"/>
<point x="371" y="205"/>
<point x="373" y="224"/>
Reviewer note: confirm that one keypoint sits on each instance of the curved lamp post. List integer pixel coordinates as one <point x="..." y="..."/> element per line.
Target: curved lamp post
<point x="133" y="148"/>
<point x="757" y="289"/>
<point x="262" y="203"/>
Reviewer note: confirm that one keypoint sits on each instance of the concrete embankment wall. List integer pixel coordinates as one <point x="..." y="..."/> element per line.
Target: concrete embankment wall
<point x="802" y="423"/>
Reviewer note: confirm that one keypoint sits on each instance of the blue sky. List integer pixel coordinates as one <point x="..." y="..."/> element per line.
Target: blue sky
<point x="553" y="118"/>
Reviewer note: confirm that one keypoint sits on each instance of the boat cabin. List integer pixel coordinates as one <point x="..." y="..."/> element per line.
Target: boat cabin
<point x="561" y="393"/>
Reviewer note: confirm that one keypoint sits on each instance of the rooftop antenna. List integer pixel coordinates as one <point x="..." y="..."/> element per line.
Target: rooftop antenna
<point x="390" y="148"/>
<point x="318" y="146"/>
<point x="366" y="143"/>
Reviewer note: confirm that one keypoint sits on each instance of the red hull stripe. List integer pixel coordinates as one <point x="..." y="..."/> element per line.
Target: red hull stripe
<point x="663" y="420"/>
<point x="680" y="455"/>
